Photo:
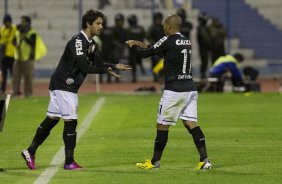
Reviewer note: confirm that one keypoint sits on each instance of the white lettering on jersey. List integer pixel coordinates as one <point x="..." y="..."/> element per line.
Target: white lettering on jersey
<point x="183" y="42"/>
<point x="78" y="47"/>
<point x="179" y="77"/>
<point x="159" y="43"/>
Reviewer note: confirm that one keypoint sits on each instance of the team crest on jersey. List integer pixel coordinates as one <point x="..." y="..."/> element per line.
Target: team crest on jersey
<point x="78" y="47"/>
<point x="69" y="81"/>
<point x="159" y="43"/>
<point x="91" y="49"/>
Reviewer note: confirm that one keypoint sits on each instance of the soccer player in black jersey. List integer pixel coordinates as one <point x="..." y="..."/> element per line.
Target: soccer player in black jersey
<point x="179" y="99"/>
<point x="80" y="57"/>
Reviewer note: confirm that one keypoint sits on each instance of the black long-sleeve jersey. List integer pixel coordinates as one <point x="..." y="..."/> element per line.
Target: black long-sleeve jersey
<point x="176" y="50"/>
<point x="80" y="57"/>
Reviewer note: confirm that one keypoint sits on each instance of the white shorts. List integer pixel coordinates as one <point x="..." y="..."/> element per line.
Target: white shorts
<point x="63" y="104"/>
<point x="174" y="105"/>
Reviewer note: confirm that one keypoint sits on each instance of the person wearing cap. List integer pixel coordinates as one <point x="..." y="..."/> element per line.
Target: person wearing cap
<point x="155" y="33"/>
<point x="7" y="34"/>
<point x="135" y="32"/>
<point x="186" y="26"/>
<point x="120" y="36"/>
<point x="204" y="42"/>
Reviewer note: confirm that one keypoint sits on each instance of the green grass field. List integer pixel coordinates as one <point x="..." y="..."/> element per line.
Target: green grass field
<point x="243" y="136"/>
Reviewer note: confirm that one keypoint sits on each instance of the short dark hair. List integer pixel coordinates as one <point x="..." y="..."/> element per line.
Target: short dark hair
<point x="119" y="17"/>
<point x="7" y="18"/>
<point x="27" y="19"/>
<point x="90" y="16"/>
<point x="132" y="20"/>
<point x="181" y="13"/>
<point x="239" y="57"/>
<point x="157" y="15"/>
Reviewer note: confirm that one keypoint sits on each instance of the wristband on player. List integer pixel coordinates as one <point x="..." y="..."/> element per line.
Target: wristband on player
<point x="109" y="70"/>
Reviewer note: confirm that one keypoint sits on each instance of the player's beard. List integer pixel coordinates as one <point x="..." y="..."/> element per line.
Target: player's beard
<point x="97" y="32"/>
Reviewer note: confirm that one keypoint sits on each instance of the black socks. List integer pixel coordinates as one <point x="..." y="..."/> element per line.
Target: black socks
<point x="199" y="140"/>
<point x="69" y="136"/>
<point x="160" y="143"/>
<point x="42" y="133"/>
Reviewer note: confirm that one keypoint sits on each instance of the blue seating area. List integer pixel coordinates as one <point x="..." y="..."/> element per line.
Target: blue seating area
<point x="251" y="28"/>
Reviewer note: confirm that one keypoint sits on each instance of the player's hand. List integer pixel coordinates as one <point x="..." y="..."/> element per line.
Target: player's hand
<point x="131" y="43"/>
<point x="112" y="73"/>
<point x="121" y="66"/>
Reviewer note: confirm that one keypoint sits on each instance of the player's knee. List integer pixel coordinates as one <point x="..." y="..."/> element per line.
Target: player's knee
<point x="53" y="118"/>
<point x="162" y="127"/>
<point x="189" y="125"/>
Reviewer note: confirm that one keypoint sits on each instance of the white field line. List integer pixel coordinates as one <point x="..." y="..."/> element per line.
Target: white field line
<point x="58" y="159"/>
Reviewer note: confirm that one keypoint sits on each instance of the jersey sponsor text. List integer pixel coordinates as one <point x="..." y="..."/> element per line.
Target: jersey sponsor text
<point x="78" y="47"/>
<point x="159" y="43"/>
<point x="180" y="77"/>
<point x="182" y="42"/>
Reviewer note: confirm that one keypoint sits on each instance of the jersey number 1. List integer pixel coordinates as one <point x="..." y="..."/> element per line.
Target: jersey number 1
<point x="184" y="52"/>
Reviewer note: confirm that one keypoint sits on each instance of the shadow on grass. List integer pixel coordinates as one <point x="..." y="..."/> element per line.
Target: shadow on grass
<point x="24" y="170"/>
<point x="130" y="168"/>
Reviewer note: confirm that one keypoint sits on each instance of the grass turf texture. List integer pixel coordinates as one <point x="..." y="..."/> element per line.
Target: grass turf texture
<point x="243" y="138"/>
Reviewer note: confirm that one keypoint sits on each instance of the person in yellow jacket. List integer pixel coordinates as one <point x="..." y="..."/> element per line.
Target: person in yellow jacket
<point x="24" y="57"/>
<point x="228" y="64"/>
<point x="7" y="34"/>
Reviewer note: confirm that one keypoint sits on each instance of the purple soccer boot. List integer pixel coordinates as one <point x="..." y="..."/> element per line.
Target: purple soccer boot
<point x="29" y="159"/>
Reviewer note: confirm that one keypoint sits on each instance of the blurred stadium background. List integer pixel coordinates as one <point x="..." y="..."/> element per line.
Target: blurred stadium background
<point x="243" y="130"/>
<point x="254" y="27"/>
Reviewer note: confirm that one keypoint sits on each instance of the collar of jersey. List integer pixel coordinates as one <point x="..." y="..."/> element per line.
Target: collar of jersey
<point x="90" y="41"/>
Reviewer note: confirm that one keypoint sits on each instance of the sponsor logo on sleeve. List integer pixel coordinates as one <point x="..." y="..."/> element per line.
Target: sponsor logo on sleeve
<point x="78" y="47"/>
<point x="160" y="42"/>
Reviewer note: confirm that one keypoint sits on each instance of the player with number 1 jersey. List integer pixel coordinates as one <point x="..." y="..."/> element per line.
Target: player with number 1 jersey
<point x="176" y="50"/>
<point x="180" y="96"/>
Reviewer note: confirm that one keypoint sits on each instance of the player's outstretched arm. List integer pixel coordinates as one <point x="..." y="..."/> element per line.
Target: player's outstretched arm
<point x="140" y="44"/>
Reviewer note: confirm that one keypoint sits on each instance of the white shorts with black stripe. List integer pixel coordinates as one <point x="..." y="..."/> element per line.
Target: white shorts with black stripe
<point x="174" y="105"/>
<point x="63" y="104"/>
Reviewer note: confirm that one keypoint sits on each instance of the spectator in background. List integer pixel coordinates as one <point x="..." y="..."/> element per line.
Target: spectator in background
<point x="154" y="34"/>
<point x="218" y="35"/>
<point x="135" y="32"/>
<point x="226" y="66"/>
<point x="24" y="57"/>
<point x="204" y="43"/>
<point x="186" y="26"/>
<point x="107" y="38"/>
<point x="7" y="35"/>
<point x="103" y="3"/>
<point x="120" y="36"/>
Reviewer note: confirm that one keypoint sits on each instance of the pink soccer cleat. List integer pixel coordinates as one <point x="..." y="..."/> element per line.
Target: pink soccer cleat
<point x="72" y="166"/>
<point x="29" y="159"/>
